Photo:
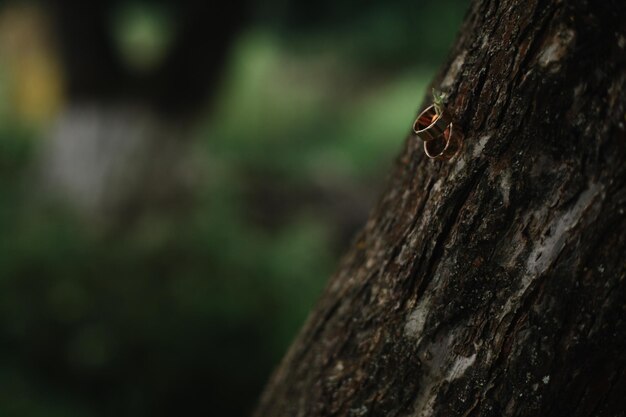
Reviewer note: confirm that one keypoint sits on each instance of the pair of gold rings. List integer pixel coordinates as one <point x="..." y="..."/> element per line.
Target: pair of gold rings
<point x="434" y="126"/>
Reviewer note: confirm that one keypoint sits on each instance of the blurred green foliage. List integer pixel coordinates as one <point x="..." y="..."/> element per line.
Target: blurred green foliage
<point x="186" y="312"/>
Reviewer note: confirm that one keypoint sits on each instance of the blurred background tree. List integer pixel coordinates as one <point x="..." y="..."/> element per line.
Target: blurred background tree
<point x="176" y="184"/>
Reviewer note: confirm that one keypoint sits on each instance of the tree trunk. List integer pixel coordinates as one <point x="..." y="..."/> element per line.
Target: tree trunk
<point x="493" y="284"/>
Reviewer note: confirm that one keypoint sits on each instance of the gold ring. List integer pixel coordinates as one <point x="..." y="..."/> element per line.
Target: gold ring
<point x="430" y="125"/>
<point x="446" y="146"/>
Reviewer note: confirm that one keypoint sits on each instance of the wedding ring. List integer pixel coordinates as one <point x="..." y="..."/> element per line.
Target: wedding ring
<point x="429" y="125"/>
<point x="446" y="145"/>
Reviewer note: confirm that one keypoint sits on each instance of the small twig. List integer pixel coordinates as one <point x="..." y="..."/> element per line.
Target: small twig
<point x="438" y="99"/>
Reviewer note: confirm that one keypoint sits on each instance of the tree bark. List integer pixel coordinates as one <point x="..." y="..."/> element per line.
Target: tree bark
<point x="494" y="284"/>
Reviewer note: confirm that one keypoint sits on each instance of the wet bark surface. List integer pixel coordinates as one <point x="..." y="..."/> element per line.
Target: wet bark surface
<point x="493" y="284"/>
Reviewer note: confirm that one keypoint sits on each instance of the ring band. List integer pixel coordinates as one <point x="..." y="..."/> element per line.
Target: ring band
<point x="454" y="140"/>
<point x="429" y="125"/>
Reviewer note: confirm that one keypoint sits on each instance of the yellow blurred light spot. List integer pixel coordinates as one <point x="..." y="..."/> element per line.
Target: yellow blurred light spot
<point x="32" y="80"/>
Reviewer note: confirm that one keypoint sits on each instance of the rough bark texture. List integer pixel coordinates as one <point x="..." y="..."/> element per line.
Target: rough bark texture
<point x="492" y="285"/>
